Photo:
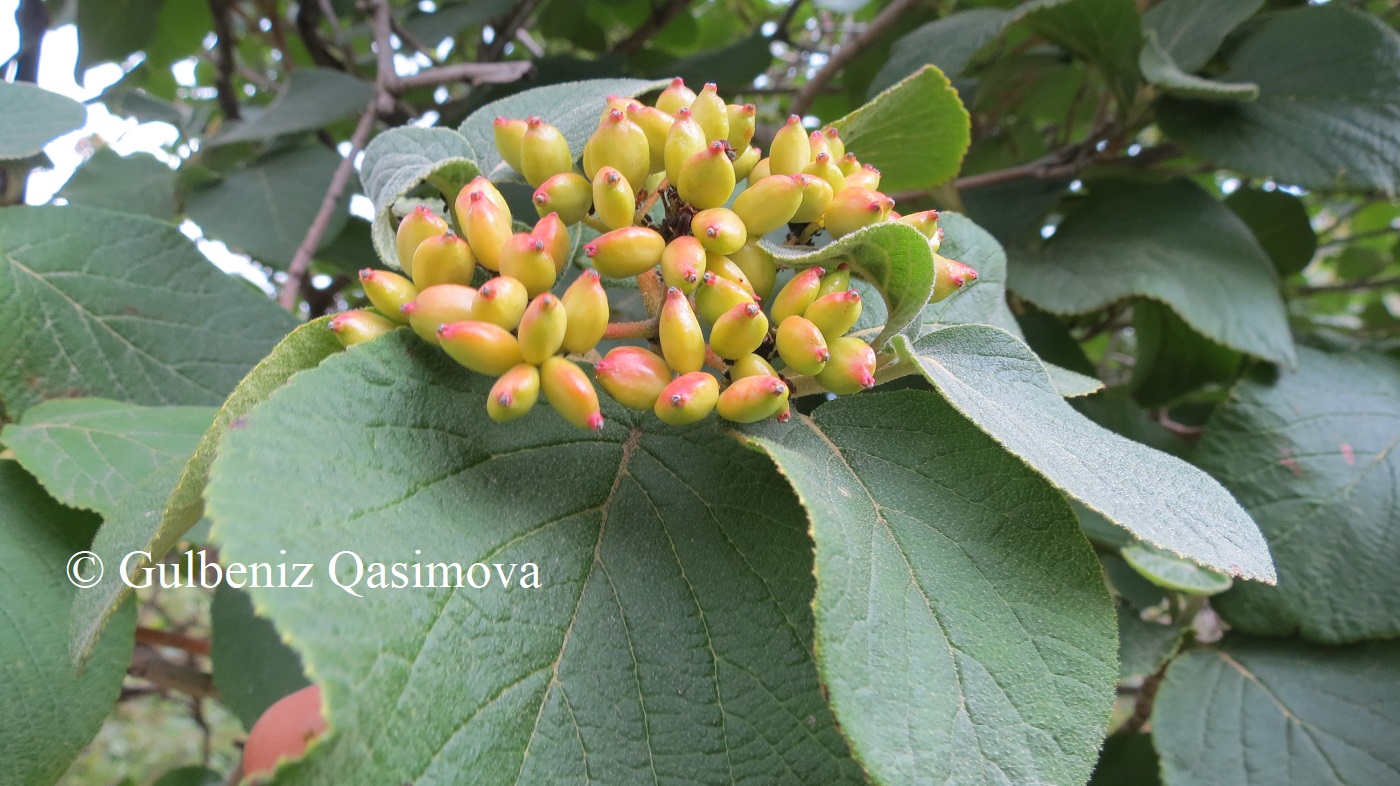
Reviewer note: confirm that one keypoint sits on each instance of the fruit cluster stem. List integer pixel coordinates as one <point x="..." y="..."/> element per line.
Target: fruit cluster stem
<point x="653" y="291"/>
<point x="643" y="328"/>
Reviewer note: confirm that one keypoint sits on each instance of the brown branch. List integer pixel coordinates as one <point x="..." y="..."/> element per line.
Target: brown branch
<point x="147" y="664"/>
<point x="223" y="74"/>
<point x="1142" y="710"/>
<point x="308" y="23"/>
<point x="655" y="23"/>
<point x="848" y="52"/>
<point x="476" y="73"/>
<point x="165" y="638"/>
<point x="644" y="328"/>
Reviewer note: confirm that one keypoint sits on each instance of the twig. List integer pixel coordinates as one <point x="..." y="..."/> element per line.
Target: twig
<point x="476" y="73"/>
<point x="644" y="328"/>
<point x="223" y="74"/>
<point x="165" y="638"/>
<point x="781" y="34"/>
<point x="1142" y="710"/>
<point x="1341" y="241"/>
<point x="848" y="51"/>
<point x="414" y="43"/>
<point x="655" y="23"/>
<point x="1350" y="286"/>
<point x="147" y="664"/>
<point x="505" y="32"/>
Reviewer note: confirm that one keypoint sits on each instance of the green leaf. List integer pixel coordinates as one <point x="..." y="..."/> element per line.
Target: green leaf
<point x="449" y="19"/>
<point x="1174" y="573"/>
<point x="963" y="626"/>
<point x="313" y="98"/>
<point x="253" y="668"/>
<point x="1159" y="69"/>
<point x="669" y="639"/>
<point x="997" y="382"/>
<point x="1279" y="711"/>
<point x="172" y="501"/>
<point x="1172" y="359"/>
<point x="138" y="183"/>
<point x="1190" y="31"/>
<point x="98" y="303"/>
<point x="89" y="452"/>
<point x="1126" y="583"/>
<point x="190" y="776"/>
<point x="31" y="117"/>
<point x="1144" y="646"/>
<point x="402" y="159"/>
<point x="113" y="29"/>
<point x="1328" y="113"/>
<point x="983" y="301"/>
<point x="1128" y="759"/>
<point x="892" y="256"/>
<point x="949" y="44"/>
<point x="1106" y="33"/>
<point x="732" y="68"/>
<point x="266" y="208"/>
<point x="916" y="132"/>
<point x="1314" y="458"/>
<point x="1280" y="223"/>
<point x="1170" y="242"/>
<point x="47" y="714"/>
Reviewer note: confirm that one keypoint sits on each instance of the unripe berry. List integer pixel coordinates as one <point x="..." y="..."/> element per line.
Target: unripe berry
<point x="848" y="164"/>
<point x="283" y="732"/>
<point x="855" y="208"/>
<point x="568" y="193"/>
<point x="739" y="331"/>
<point x="508" y="134"/>
<point x="710" y="112"/>
<point x="834" y="143"/>
<point x="486" y="227"/>
<point x="797" y="294"/>
<point x="524" y="259"/>
<point x="542" y="328"/>
<point x="621" y="144"/>
<point x="801" y="345"/>
<point x="626" y="252"/>
<point x="419" y="225"/>
<point x="388" y="292"/>
<point x="719" y="230"/>
<point x="436" y="306"/>
<point x="717" y="295"/>
<point x="936" y="242"/>
<point x="925" y="221"/>
<point x="501" y="301"/>
<point x="568" y="389"/>
<point x="656" y="125"/>
<point x="586" y="303"/>
<point x="676" y="96"/>
<point x="868" y="178"/>
<point x="759" y="268"/>
<point x="791" y="149"/>
<point x="707" y="178"/>
<point x="764" y="168"/>
<point x="444" y="259"/>
<point x="835" y="314"/>
<point x="683" y="263"/>
<point x="488" y="190"/>
<point x="750" y="366"/>
<point x="633" y="376"/>
<point x="743" y="119"/>
<point x="621" y="103"/>
<point x="816" y="196"/>
<point x="746" y="163"/>
<point x="822" y="167"/>
<point x="685" y="140"/>
<point x="555" y="235"/>
<point x="682" y="341"/>
<point x="688" y="399"/>
<point x="818" y="144"/>
<point x="514" y="394"/>
<point x="950" y="276"/>
<point x="480" y="346"/>
<point x="544" y="152"/>
<point x="357" y="326"/>
<point x="851" y="368"/>
<point x="838" y="280"/>
<point x="769" y="203"/>
<point x="752" y="399"/>
<point x="725" y="268"/>
<point x="613" y="198"/>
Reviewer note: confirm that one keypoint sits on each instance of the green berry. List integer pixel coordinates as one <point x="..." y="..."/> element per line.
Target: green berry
<point x="613" y="198"/>
<point x="586" y="303"/>
<point x="759" y="268"/>
<point x="685" y="140"/>
<point x="835" y="314"/>
<point x="816" y="196"/>
<point x="834" y="143"/>
<point x="388" y="292"/>
<point x="710" y="111"/>
<point x="480" y="346"/>
<point x="822" y="167"/>
<point x="356" y="327"/>
<point x="797" y="294"/>
<point x="419" y="225"/>
<point x="851" y="368"/>
<point x="555" y="235"/>
<point x="743" y="121"/>
<point x="508" y="134"/>
<point x="435" y="306"/>
<point x="544" y="152"/>
<point x="626" y="252"/>
<point x="542" y="328"/>
<point x="514" y="393"/>
<point x="838" y="280"/>
<point x="682" y="341"/>
<point x="485" y="226"/>
<point x="568" y="389"/>
<point x="747" y="163"/>
<point x="868" y="178"/>
<point x="717" y="295"/>
<point x="950" y="276"/>
<point x="926" y="221"/>
<point x="719" y="230"/>
<point x="769" y="203"/>
<point x="633" y="376"/>
<point x="683" y="263"/>
<point x="752" y="399"/>
<point x="568" y="193"/>
<point x="707" y="178"/>
<point x="801" y="345"/>
<point x="444" y="259"/>
<point x="855" y="208"/>
<point x="656" y="125"/>
<point x="621" y="144"/>
<point x="676" y="96"/>
<point x="739" y="331"/>
<point x="750" y="366"/>
<point x="524" y="258"/>
<point x="791" y="149"/>
<point x="688" y="399"/>
<point x="501" y="301"/>
<point x="849" y="164"/>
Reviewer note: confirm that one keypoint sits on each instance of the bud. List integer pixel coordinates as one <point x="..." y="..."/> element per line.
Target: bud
<point x="801" y="345"/>
<point x="419" y="225"/>
<point x="444" y="259"/>
<point x="743" y="119"/>
<point x="683" y="263"/>
<point x="357" y="326"/>
<point x="950" y="276"/>
<point x="613" y="198"/>
<point x="822" y="167"/>
<point x="524" y="259"/>
<point x="760" y="170"/>
<point x="480" y="346"/>
<point x="759" y="268"/>
<point x="557" y="243"/>
<point x="436" y="306"/>
<point x="568" y="193"/>
<point x="586" y="303"/>
<point x="725" y="268"/>
<point x="816" y="196"/>
<point x="626" y="252"/>
<point x="925" y="221"/>
<point x="838" y="280"/>
<point x="514" y="393"/>
<point x="719" y="230"/>
<point x="834" y="143"/>
<point x="868" y="177"/>
<point x="717" y="295"/>
<point x="769" y="203"/>
<point x="688" y="399"/>
<point x="750" y="366"/>
<point x="544" y="152"/>
<point x="656" y="125"/>
<point x="835" y="314"/>
<point x="791" y="149"/>
<point x="569" y="391"/>
<point x="621" y="144"/>
<point x="797" y="294"/>
<point x="676" y="96"/>
<point x="848" y="164"/>
<point x="633" y="376"/>
<point x="485" y="226"/>
<point x="855" y="208"/>
<point x="707" y="178"/>
<point x="501" y="301"/>
<point x="710" y="112"/>
<point x="682" y="342"/>
<point x="509" y="134"/>
<point x="388" y="292"/>
<point x="851" y="368"/>
<point x="752" y="399"/>
<point x="684" y="141"/>
<point x="542" y="329"/>
<point x="745" y="164"/>
<point x="739" y="331"/>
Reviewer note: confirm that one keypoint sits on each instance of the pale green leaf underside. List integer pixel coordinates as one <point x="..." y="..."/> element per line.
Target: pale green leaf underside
<point x="964" y="631"/>
<point x="1158" y="69"/>
<point x="31" y="117"/>
<point x="401" y="159"/>
<point x="312" y="98"/>
<point x="670" y="640"/>
<point x="915" y="133"/>
<point x="1167" y="570"/>
<point x="999" y="384"/>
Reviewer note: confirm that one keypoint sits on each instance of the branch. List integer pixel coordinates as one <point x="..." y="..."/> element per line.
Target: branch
<point x="848" y="52"/>
<point x="645" y="328"/>
<point x="1359" y="285"/>
<point x="655" y="23"/>
<point x="147" y="664"/>
<point x="781" y="34"/>
<point x="476" y="73"/>
<point x="165" y="638"/>
<point x="223" y="74"/>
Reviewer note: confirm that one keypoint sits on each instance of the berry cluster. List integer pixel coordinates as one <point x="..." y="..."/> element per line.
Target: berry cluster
<point x="697" y="260"/>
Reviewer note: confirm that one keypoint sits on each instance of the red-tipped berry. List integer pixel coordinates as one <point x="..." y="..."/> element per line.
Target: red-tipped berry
<point x="568" y="193"/>
<point x="707" y="178"/>
<point x="688" y="399"/>
<point x="613" y="198"/>
<point x="719" y="230"/>
<point x="855" y="208"/>
<point x="626" y="252"/>
<point x="633" y="376"/>
<point x="950" y="276"/>
<point x="356" y="327"/>
<point x="525" y="259"/>
<point x="769" y="203"/>
<point x="851" y="368"/>
<point x="544" y="152"/>
<point x="675" y="96"/>
<point x="801" y="345"/>
<point x="684" y="141"/>
<point x="797" y="294"/>
<point x="791" y="149"/>
<point x="586" y="303"/>
<point x="542" y="328"/>
<point x="419" y="225"/>
<point x="480" y="346"/>
<point x="514" y="394"/>
<point x="501" y="301"/>
<point x="436" y="306"/>
<point x="717" y="295"/>
<point x="621" y="144"/>
<point x="444" y="259"/>
<point x="710" y="111"/>
<point x="743" y="120"/>
<point x="555" y="235"/>
<point x="835" y="314"/>
<point x="683" y="263"/>
<point x="508" y="134"/>
<point x="725" y="268"/>
<point x="388" y="292"/>
<point x="816" y="196"/>
<point x="752" y="399"/>
<point x="567" y="388"/>
<point x="682" y="341"/>
<point x="485" y="226"/>
<point x="739" y="331"/>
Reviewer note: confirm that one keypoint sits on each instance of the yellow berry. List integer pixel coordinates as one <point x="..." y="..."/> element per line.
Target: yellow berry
<point x="688" y="399"/>
<point x="586" y="303"/>
<point x="719" y="230"/>
<point x="480" y="346"/>
<point x="567" y="388"/>
<point x="514" y="393"/>
<point x="769" y="203"/>
<point x="419" y="225"/>
<point x="501" y="302"/>
<point x="444" y="259"/>
<point x="791" y="149"/>
<point x="388" y="292"/>
<point x="682" y="341"/>
<point x="568" y="193"/>
<point x="626" y="252"/>
<point x="751" y="399"/>
<point x="707" y="178"/>
<point x="436" y="306"/>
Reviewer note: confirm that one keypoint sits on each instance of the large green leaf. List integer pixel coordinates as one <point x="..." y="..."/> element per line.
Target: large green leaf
<point x="31" y="117"/>
<point x="1159" y="69"/>
<point x="1171" y="242"/>
<point x="89" y="452"/>
<point x="1328" y="113"/>
<point x="266" y="208"/>
<point x="1128" y="759"/>
<point x="1172" y="359"/>
<point x="98" y="303"/>
<point x="963" y="627"/>
<point x="1106" y="33"/>
<point x="402" y="159"/>
<point x="1279" y="221"/>
<point x="997" y="382"/>
<point x="113" y="29"/>
<point x="949" y="44"/>
<point x="1144" y="646"/>
<point x="670" y="636"/>
<point x="253" y="667"/>
<point x="1189" y="31"/>
<point x="1268" y="712"/>
<point x="138" y="183"/>
<point x="1314" y="457"/>
<point x="916" y="132"/>
<point x="47" y="714"/>
<point x="312" y="98"/>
